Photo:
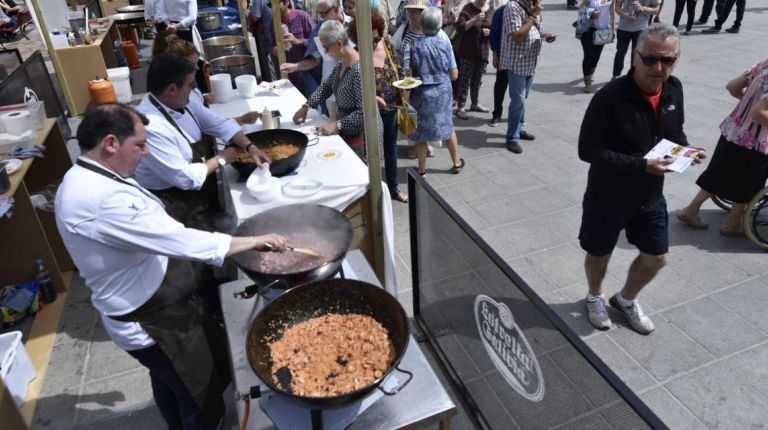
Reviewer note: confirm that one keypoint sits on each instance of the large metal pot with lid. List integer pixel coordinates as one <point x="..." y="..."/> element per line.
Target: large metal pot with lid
<point x="321" y="229"/>
<point x="223" y="46"/>
<point x="208" y="21"/>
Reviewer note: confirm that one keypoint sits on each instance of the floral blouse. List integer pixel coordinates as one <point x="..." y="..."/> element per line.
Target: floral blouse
<point x="738" y="126"/>
<point x="388" y="74"/>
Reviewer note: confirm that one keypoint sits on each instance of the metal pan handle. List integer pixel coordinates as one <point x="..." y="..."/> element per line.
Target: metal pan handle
<point x="401" y="386"/>
<point x="316" y="139"/>
<point x="269" y="287"/>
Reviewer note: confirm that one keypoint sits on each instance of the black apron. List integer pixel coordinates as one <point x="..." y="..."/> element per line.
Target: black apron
<point x="175" y="318"/>
<point x="193" y="208"/>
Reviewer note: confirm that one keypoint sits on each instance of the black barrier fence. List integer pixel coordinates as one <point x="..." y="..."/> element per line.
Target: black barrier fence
<point x="513" y="361"/>
<point x="33" y="75"/>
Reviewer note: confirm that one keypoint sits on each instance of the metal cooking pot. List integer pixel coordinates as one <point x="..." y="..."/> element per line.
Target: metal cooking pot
<point x="129" y="9"/>
<point x="340" y="296"/>
<point x="223" y="46"/>
<point x="329" y="225"/>
<point x="235" y="65"/>
<point x="278" y="168"/>
<point x="208" y="21"/>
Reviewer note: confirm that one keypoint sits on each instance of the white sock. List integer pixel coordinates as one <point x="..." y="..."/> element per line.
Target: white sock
<point x="590" y="297"/>
<point x="623" y="302"/>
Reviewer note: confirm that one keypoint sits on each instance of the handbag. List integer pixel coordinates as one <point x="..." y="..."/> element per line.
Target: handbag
<point x="602" y="37"/>
<point x="406" y="117"/>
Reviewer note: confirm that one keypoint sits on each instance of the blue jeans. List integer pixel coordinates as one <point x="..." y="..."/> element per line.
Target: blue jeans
<point x="519" y="86"/>
<point x="176" y="404"/>
<point x="389" y="122"/>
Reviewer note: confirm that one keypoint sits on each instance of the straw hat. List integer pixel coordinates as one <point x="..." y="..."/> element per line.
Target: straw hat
<point x="417" y="4"/>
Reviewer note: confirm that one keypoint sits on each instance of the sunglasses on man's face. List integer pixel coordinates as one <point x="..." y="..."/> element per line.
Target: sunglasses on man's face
<point x="651" y="60"/>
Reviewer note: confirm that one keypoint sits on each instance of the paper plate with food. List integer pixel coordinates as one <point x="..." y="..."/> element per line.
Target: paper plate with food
<point x="407" y="83"/>
<point x="328" y="155"/>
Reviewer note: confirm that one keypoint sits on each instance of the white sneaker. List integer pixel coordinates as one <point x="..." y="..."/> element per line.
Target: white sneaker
<point x="598" y="314"/>
<point x="634" y="313"/>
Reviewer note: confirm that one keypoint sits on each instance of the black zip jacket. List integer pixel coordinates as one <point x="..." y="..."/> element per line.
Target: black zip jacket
<point x="618" y="130"/>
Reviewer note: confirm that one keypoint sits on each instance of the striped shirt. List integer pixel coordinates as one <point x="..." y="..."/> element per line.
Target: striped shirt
<point x="519" y="57"/>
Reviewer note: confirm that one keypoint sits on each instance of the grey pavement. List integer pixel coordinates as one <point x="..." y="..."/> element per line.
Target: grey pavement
<point x="702" y="368"/>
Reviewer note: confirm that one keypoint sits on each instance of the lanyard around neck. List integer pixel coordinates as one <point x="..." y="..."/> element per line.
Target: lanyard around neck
<point x="106" y="173"/>
<point x="168" y="118"/>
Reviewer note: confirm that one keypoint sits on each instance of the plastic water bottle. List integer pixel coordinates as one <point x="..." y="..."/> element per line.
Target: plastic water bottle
<point x="44" y="284"/>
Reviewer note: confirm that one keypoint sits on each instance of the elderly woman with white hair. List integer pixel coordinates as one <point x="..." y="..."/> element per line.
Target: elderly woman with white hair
<point x="432" y="61"/>
<point x="345" y="83"/>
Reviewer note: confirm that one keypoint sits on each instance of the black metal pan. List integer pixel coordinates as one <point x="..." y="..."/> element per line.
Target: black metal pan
<point x="340" y="296"/>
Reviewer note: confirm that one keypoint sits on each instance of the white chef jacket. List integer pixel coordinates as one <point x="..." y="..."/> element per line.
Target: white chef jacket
<point x="181" y="11"/>
<point x="155" y="9"/>
<point x="169" y="163"/>
<point x="120" y="238"/>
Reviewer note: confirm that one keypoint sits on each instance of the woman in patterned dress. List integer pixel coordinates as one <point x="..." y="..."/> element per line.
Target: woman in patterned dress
<point x="345" y="83"/>
<point x="432" y="62"/>
<point x="739" y="166"/>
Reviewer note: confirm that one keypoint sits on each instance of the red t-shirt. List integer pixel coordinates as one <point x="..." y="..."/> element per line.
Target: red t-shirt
<point x="655" y="101"/>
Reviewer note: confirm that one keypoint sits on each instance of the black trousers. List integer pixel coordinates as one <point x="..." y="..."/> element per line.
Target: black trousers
<point x="690" y="6"/>
<point x="499" y="91"/>
<point x="706" y="10"/>
<point x="591" y="53"/>
<point x="176" y="404"/>
<point x="623" y="38"/>
<point x="722" y="16"/>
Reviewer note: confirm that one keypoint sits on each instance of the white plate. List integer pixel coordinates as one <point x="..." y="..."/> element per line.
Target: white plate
<point x="302" y="187"/>
<point x="328" y="155"/>
<point x="400" y="84"/>
<point x="12" y="165"/>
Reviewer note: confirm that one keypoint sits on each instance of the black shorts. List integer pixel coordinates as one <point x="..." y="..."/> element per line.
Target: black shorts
<point x="646" y="227"/>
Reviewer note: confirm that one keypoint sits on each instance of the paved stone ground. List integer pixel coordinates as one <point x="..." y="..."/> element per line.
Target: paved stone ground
<point x="701" y="368"/>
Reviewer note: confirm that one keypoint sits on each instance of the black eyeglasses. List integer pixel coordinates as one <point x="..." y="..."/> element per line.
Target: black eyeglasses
<point x="323" y="13"/>
<point x="651" y="60"/>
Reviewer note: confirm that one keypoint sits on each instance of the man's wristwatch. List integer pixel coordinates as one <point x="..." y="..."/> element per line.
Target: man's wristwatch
<point x="222" y="162"/>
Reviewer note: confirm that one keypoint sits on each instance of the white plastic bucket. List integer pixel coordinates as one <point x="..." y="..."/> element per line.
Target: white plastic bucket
<point x="120" y="78"/>
<point x="17" y="369"/>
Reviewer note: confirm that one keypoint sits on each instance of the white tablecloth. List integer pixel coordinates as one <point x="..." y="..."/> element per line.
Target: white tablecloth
<point x="344" y="178"/>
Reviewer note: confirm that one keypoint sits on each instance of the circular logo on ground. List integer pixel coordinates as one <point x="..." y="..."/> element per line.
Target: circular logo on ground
<point x="508" y="348"/>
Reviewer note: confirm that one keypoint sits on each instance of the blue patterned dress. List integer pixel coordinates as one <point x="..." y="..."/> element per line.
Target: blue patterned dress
<point x="431" y="61"/>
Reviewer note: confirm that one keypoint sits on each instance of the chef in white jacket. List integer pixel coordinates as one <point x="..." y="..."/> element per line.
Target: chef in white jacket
<point x="135" y="259"/>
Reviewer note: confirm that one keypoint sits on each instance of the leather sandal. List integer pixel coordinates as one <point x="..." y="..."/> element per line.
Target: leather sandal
<point x="399" y="196"/>
<point x="729" y="230"/>
<point x="457" y="169"/>
<point x="692" y="221"/>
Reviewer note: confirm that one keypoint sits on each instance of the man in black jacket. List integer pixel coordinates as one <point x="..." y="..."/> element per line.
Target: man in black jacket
<point x="623" y="122"/>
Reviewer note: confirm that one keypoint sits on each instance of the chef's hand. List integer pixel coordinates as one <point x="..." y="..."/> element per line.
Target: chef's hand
<point x="172" y="28"/>
<point x="258" y="155"/>
<point x="150" y="21"/>
<point x="229" y="154"/>
<point x="288" y="67"/>
<point x="270" y="242"/>
<point x="248" y="118"/>
<point x="301" y="115"/>
<point x="329" y="128"/>
<point x="658" y="166"/>
<point x="595" y="14"/>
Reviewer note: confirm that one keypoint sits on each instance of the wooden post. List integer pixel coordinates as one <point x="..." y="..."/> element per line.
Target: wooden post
<point x="370" y="113"/>
<point x="277" y="22"/>
<point x="51" y="51"/>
